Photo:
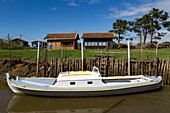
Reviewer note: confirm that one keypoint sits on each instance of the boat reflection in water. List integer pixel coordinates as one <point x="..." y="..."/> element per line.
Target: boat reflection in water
<point x="24" y="103"/>
<point x="149" y="102"/>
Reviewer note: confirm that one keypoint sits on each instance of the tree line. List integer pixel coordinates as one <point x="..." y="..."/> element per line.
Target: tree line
<point x="150" y="25"/>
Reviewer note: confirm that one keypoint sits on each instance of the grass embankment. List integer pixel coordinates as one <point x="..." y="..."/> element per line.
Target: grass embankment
<point x="30" y="54"/>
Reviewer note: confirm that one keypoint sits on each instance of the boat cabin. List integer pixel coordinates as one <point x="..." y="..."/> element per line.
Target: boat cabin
<point x="79" y="78"/>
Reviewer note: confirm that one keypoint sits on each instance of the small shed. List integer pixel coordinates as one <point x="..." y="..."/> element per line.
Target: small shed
<point x="100" y="40"/>
<point x="20" y="42"/>
<point x="66" y="41"/>
<point x="43" y="44"/>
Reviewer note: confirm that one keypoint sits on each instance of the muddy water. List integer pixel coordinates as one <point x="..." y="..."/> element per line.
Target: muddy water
<point x="149" y="102"/>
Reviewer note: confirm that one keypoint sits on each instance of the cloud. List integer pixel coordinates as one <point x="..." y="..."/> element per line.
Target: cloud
<point x="91" y="1"/>
<point x="163" y="5"/>
<point x="53" y="8"/>
<point x="131" y="10"/>
<point x="166" y="37"/>
<point x="73" y="3"/>
<point x="76" y="3"/>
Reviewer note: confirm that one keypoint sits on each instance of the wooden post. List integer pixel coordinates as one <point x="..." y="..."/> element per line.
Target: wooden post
<point x="10" y="55"/>
<point x="141" y="49"/>
<point x="82" y="54"/>
<point x="45" y="61"/>
<point x="38" y="57"/>
<point x="62" y="51"/>
<point x="128" y="58"/>
<point x="157" y="59"/>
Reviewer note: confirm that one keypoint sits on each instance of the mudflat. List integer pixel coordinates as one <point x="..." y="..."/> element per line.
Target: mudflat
<point x="156" y="101"/>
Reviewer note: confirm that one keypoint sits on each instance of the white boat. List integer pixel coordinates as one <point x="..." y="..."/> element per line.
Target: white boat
<point x="83" y="83"/>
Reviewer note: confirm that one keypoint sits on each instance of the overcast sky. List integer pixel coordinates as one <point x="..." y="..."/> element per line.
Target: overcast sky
<point x="34" y="19"/>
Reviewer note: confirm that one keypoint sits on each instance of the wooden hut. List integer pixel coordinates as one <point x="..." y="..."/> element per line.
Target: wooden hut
<point x="101" y="40"/>
<point x="42" y="44"/>
<point x="20" y="42"/>
<point x="66" y="41"/>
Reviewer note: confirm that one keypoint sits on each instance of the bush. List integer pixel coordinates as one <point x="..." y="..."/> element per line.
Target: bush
<point x="164" y="45"/>
<point x="149" y="45"/>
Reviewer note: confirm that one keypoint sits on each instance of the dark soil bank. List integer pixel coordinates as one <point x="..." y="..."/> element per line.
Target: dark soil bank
<point x="18" y="67"/>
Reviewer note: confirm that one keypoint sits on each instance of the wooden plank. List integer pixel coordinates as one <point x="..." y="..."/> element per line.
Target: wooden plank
<point x="149" y="67"/>
<point x="55" y="68"/>
<point x="163" y="72"/>
<point x="141" y="64"/>
<point x="162" y="67"/>
<point x="113" y="63"/>
<point x="168" y="73"/>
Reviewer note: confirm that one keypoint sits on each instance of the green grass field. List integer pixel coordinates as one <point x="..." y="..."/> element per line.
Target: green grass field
<point x="115" y="53"/>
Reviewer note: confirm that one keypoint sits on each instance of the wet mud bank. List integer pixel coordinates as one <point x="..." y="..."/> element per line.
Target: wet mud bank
<point x="18" y="67"/>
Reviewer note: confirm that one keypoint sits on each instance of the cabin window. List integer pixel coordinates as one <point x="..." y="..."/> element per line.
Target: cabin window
<point x="102" y="43"/>
<point x="49" y="45"/>
<point x="67" y="43"/>
<point x="72" y="83"/>
<point x="90" y="43"/>
<point x="89" y="82"/>
<point x="94" y="43"/>
<point x="85" y="43"/>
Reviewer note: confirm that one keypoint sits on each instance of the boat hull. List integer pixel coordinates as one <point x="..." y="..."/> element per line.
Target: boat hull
<point x="90" y="93"/>
<point x="98" y="91"/>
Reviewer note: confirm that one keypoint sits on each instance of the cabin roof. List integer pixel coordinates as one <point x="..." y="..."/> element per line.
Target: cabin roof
<point x="38" y="41"/>
<point x="19" y="40"/>
<point x="98" y="35"/>
<point x="61" y="36"/>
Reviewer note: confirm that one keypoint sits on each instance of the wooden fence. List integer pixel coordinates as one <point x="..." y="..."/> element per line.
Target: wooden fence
<point x="110" y="67"/>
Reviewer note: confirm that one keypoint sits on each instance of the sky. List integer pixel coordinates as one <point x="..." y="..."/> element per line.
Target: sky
<point x="34" y="19"/>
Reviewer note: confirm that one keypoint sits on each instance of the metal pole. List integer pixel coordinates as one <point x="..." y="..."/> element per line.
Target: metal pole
<point x="38" y="57"/>
<point x="128" y="58"/>
<point x="82" y="54"/>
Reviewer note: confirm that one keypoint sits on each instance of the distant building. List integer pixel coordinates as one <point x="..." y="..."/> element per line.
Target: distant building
<point x="67" y="41"/>
<point x="20" y="42"/>
<point x="43" y="44"/>
<point x="100" y="40"/>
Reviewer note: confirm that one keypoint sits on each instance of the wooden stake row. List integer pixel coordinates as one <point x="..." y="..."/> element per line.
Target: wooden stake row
<point x="111" y="67"/>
